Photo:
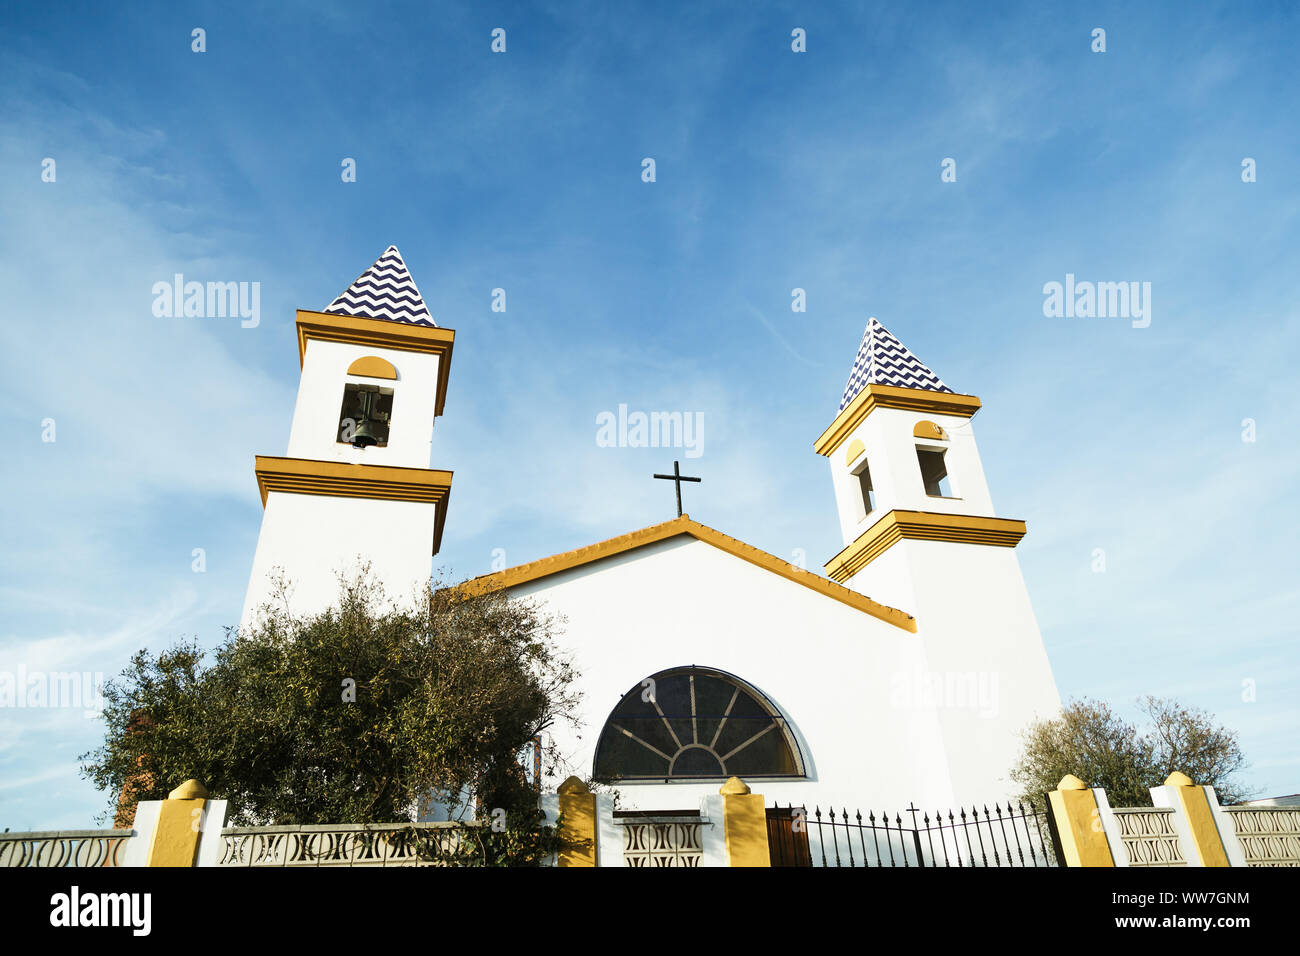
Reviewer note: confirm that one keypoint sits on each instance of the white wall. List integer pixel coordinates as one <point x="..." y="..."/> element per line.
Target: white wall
<point x="320" y="396"/>
<point x="981" y="640"/>
<point x="314" y="536"/>
<point x="827" y="667"/>
<point x="985" y="672"/>
<point x="889" y="581"/>
<point x="896" y="474"/>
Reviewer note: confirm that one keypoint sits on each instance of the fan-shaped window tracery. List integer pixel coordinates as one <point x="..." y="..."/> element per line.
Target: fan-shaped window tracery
<point x="694" y="722"/>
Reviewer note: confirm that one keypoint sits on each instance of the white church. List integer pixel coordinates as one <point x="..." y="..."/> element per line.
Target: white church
<point x="904" y="674"/>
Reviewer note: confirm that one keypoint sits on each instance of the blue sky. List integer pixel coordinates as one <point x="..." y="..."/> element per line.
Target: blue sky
<point x="775" y="170"/>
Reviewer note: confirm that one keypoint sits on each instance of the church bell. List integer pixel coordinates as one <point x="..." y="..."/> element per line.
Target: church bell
<point x="370" y="420"/>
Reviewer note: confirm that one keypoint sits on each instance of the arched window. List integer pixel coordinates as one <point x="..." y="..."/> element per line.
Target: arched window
<point x="694" y="722"/>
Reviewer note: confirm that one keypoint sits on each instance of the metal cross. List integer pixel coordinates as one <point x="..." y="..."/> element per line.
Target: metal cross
<point x="677" y="478"/>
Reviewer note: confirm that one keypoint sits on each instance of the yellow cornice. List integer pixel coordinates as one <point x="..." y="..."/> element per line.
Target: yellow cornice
<point x="354" y="330"/>
<point x="669" y="529"/>
<point x="924" y="526"/>
<point x="305" y="476"/>
<point x="890" y="396"/>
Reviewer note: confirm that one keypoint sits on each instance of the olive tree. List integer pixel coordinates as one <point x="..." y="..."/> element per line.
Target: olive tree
<point x="1099" y="747"/>
<point x="362" y="713"/>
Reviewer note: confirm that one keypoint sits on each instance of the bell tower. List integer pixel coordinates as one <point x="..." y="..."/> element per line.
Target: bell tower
<point x="355" y="484"/>
<point x="920" y="534"/>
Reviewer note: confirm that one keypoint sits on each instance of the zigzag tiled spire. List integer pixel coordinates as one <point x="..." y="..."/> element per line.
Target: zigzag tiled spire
<point x="883" y="360"/>
<point x="384" y="291"/>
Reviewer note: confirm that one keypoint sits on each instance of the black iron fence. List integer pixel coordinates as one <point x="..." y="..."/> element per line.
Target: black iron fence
<point x="1004" y="836"/>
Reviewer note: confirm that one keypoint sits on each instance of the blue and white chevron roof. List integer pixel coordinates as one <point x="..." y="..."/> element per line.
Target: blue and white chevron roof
<point x="883" y="360"/>
<point x="384" y="291"/>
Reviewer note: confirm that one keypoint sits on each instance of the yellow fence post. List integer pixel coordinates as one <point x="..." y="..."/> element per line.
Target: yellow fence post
<point x="577" y="824"/>
<point x="1195" y="805"/>
<point x="745" y="825"/>
<point x="180" y="821"/>
<point x="1078" y="824"/>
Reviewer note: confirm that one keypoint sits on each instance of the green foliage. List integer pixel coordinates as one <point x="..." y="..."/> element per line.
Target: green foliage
<point x="1104" y="750"/>
<point x="445" y="699"/>
<point x="525" y="840"/>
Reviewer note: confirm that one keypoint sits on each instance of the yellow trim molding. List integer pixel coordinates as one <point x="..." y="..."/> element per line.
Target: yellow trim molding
<point x="891" y="396"/>
<point x="544" y="567"/>
<point x="372" y="366"/>
<point x="928" y="429"/>
<point x="353" y="330"/>
<point x="924" y="526"/>
<point x="341" y="479"/>
<point x="856" y="448"/>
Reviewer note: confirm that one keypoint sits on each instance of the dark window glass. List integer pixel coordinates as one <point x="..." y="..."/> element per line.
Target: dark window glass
<point x="695" y="723"/>
<point x="768" y="751"/>
<point x="365" y="414"/>
<point x="697" y="762"/>
<point x="934" y="473"/>
<point x="865" y="489"/>
<point x="638" y="760"/>
<point x="747" y="719"/>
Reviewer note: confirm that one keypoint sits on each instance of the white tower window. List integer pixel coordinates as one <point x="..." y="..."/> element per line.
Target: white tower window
<point x="934" y="473"/>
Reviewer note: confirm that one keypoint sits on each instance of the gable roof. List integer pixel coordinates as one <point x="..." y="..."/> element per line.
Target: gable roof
<point x="883" y="360"/>
<point x="535" y="570"/>
<point x="384" y="291"/>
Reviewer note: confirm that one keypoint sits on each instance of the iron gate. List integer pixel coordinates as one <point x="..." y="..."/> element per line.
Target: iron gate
<point x="1004" y="836"/>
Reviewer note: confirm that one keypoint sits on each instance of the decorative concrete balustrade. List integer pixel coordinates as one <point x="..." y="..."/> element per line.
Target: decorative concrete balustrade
<point x="1149" y="837"/>
<point x="59" y="848"/>
<point x="360" y="844"/>
<point x="1268" y="836"/>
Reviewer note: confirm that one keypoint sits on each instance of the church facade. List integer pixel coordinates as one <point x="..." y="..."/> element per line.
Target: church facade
<point x="903" y="674"/>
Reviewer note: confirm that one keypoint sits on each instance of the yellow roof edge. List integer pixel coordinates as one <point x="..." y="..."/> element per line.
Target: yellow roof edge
<point x="382" y="333"/>
<point x="544" y="567"/>
<point x="872" y="397"/>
